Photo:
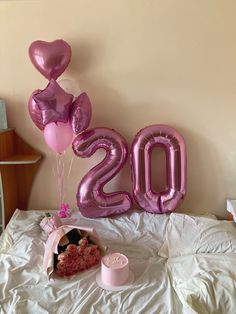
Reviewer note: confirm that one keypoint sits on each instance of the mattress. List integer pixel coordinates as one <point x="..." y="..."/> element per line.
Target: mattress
<point x="26" y="288"/>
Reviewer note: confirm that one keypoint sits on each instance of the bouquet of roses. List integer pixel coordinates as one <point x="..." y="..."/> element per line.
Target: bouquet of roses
<point x="69" y="248"/>
<point x="78" y="254"/>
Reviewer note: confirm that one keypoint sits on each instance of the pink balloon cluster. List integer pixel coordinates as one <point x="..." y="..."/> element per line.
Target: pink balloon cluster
<point x="52" y="109"/>
<point x="59" y="114"/>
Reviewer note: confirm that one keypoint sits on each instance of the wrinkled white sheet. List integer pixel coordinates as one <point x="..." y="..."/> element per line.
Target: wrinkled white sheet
<point x="205" y="283"/>
<point x="25" y="288"/>
<point x="192" y="234"/>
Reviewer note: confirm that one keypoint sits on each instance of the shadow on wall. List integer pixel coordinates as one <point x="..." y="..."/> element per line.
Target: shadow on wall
<point x="203" y="174"/>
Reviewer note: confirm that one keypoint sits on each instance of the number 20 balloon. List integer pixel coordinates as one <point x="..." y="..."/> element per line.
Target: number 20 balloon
<point x="94" y="202"/>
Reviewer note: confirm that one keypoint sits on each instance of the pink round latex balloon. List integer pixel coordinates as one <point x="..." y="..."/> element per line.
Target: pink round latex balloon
<point x="91" y="199"/>
<point x="50" y="58"/>
<point x="174" y="146"/>
<point x="35" y="112"/>
<point x="58" y="136"/>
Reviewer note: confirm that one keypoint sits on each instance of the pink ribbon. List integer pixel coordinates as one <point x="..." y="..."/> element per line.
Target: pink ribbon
<point x="49" y="224"/>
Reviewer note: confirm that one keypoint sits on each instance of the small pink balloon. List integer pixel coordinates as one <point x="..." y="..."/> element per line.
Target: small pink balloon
<point x="50" y="58"/>
<point x="58" y="136"/>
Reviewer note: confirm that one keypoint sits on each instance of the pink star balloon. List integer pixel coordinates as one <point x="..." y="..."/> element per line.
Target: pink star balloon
<point x="54" y="103"/>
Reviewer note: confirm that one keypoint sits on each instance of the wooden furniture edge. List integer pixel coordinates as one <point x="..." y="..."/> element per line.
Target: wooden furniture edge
<point x="229" y="216"/>
<point x="19" y="163"/>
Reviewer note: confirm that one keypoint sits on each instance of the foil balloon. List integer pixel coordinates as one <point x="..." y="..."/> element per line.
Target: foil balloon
<point x="70" y="86"/>
<point x="91" y="199"/>
<point x="58" y="136"/>
<point x="80" y="114"/>
<point x="173" y="144"/>
<point x="50" y="58"/>
<point x="35" y="112"/>
<point x="54" y="103"/>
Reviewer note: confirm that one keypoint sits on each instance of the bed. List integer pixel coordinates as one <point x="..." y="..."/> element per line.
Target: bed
<point x="181" y="263"/>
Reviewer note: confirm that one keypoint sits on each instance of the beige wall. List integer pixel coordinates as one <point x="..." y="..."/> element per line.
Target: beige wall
<point x="141" y="62"/>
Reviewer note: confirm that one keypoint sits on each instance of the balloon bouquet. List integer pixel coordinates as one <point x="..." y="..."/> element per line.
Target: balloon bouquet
<point x="53" y="110"/>
<point x="59" y="114"/>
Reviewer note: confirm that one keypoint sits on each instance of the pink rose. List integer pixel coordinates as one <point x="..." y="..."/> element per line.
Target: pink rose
<point x="81" y="264"/>
<point x="63" y="256"/>
<point x="94" y="249"/>
<point x="87" y="250"/>
<point x="61" y="265"/>
<point x="80" y="250"/>
<point x="71" y="248"/>
<point x="83" y="242"/>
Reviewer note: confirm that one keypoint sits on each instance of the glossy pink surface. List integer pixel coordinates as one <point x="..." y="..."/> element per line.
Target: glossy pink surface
<point x="50" y="58"/>
<point x="173" y="144"/>
<point x="91" y="199"/>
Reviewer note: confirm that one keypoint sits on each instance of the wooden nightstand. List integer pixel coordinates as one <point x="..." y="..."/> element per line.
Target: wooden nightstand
<point x="18" y="165"/>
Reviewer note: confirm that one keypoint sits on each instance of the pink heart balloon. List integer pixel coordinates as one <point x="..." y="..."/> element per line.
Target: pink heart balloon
<point x="50" y="58"/>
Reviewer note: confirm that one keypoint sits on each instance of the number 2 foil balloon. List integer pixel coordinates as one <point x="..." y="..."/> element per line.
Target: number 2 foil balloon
<point x="91" y="199"/>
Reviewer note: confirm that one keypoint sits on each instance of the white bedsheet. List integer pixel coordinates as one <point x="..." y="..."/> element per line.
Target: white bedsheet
<point x="187" y="234"/>
<point x="25" y="288"/>
<point x="205" y="283"/>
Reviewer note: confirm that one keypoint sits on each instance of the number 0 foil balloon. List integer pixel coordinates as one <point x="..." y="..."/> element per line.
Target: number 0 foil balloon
<point x="174" y="146"/>
<point x="91" y="199"/>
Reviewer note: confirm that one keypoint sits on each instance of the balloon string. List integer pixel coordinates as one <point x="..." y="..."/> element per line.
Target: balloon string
<point x="70" y="167"/>
<point x="60" y="170"/>
<point x="59" y="174"/>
